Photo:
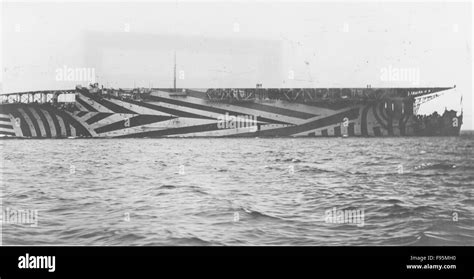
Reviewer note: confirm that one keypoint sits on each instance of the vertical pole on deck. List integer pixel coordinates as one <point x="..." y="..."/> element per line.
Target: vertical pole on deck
<point x="174" y="80"/>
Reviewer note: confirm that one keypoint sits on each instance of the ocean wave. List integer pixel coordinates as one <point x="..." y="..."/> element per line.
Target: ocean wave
<point x="197" y="189"/>
<point x="193" y="240"/>
<point x="397" y="211"/>
<point x="437" y="166"/>
<point x="167" y="186"/>
<point x="312" y="169"/>
<point x="293" y="160"/>
<point x="468" y="201"/>
<point x="129" y="238"/>
<point x="254" y="214"/>
<point x="389" y="200"/>
<point x="188" y="188"/>
<point x="428" y="238"/>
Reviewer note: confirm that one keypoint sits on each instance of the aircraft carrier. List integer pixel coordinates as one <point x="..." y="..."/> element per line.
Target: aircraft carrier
<point x="98" y="112"/>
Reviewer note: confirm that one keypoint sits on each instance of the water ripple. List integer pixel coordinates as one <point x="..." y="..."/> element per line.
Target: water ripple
<point x="412" y="191"/>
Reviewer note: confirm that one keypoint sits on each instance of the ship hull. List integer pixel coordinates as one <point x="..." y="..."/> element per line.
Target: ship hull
<point x="164" y="114"/>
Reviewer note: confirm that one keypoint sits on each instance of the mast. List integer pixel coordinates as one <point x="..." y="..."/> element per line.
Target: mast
<point x="174" y="79"/>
